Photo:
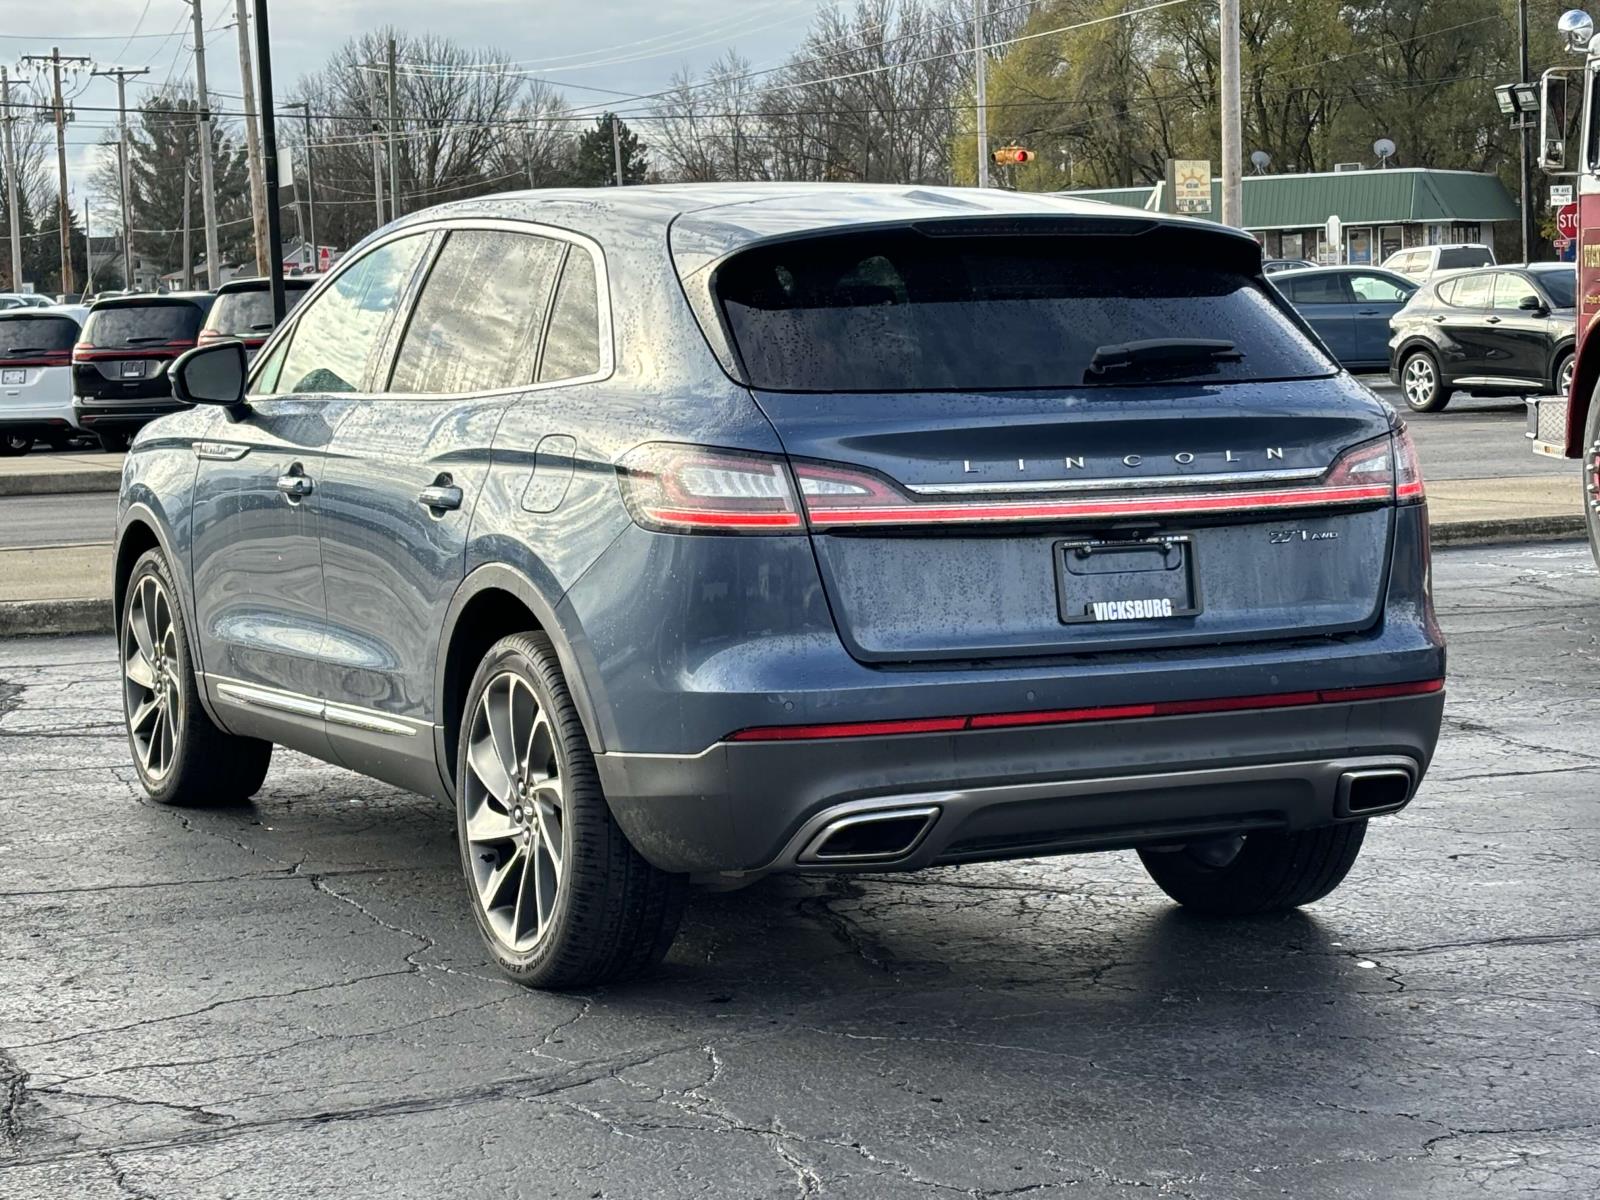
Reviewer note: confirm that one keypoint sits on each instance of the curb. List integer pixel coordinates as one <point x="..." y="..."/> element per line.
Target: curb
<point x="1560" y="527"/>
<point x="61" y="483"/>
<point x="35" y="618"/>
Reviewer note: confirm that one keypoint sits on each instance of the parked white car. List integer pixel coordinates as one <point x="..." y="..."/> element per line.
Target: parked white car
<point x="1422" y="263"/>
<point x="36" y="375"/>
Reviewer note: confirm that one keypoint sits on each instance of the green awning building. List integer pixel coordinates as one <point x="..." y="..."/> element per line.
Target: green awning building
<point x="1380" y="211"/>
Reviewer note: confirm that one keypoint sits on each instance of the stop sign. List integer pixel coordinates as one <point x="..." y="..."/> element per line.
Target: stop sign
<point x="1567" y="221"/>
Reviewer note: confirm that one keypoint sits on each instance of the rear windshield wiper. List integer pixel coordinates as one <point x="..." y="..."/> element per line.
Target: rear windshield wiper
<point x="140" y="341"/>
<point x="1158" y="355"/>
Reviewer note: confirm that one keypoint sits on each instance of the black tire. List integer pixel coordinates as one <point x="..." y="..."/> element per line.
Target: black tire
<point x="1427" y="393"/>
<point x="12" y="445"/>
<point x="1270" y="872"/>
<point x="613" y="915"/>
<point x="1563" y="369"/>
<point x="113" y="443"/>
<point x="205" y="767"/>
<point x="1590" y="475"/>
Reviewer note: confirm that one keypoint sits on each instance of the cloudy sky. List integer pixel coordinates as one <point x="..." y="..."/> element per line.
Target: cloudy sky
<point x="632" y="46"/>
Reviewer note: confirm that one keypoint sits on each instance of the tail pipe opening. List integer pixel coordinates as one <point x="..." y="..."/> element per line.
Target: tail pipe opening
<point x="1377" y="790"/>
<point x="882" y="835"/>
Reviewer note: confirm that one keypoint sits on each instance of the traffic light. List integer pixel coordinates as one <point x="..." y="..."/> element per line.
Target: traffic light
<point x="1010" y="156"/>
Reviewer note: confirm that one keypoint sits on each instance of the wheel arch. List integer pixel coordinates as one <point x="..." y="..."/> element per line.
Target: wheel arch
<point x="493" y="601"/>
<point x="1584" y="379"/>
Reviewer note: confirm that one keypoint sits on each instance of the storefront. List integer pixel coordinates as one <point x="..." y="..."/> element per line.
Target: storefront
<point x="1380" y="212"/>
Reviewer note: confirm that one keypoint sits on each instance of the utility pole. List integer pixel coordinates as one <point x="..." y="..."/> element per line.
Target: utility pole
<point x="88" y="255"/>
<point x="124" y="166"/>
<point x="63" y="205"/>
<point x="980" y="68"/>
<point x="1525" y="136"/>
<point x="394" y="161"/>
<point x="1232" y="133"/>
<point x="616" y="147"/>
<point x="377" y="177"/>
<point x="269" y="162"/>
<point x="258" y="206"/>
<point x="188" y="253"/>
<point x="12" y="215"/>
<point x="208" y="191"/>
<point x="311" y="185"/>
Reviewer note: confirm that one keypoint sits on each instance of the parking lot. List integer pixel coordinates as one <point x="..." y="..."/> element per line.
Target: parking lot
<point x="219" y="1002"/>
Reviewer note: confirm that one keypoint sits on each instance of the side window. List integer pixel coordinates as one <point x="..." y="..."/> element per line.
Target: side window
<point x="1471" y="291"/>
<point x="265" y="382"/>
<point x="1510" y="289"/>
<point x="1375" y="289"/>
<point x="334" y="338"/>
<point x="1318" y="289"/>
<point x="476" y="327"/>
<point x="572" y="347"/>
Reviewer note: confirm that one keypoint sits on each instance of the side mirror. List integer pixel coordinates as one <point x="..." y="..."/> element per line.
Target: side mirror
<point x="1531" y="304"/>
<point x="212" y="374"/>
<point x="1553" y="119"/>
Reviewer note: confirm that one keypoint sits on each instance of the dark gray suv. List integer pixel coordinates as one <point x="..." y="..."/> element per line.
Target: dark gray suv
<point x="686" y="532"/>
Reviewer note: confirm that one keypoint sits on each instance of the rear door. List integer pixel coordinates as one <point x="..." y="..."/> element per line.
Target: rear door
<point x="405" y="470"/>
<point x="1004" y="452"/>
<point x="1328" y="306"/>
<point x="1466" y="337"/>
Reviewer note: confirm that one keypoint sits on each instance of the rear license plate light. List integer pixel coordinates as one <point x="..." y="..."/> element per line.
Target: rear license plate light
<point x="1104" y="582"/>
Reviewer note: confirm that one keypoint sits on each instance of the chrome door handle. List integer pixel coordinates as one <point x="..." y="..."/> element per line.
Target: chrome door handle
<point x="440" y="498"/>
<point x="295" y="485"/>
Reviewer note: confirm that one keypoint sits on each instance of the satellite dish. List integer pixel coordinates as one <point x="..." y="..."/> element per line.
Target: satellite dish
<point x="1260" y="158"/>
<point x="1383" y="148"/>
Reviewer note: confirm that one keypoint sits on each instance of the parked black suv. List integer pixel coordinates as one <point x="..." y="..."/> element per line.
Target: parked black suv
<point x="119" y="366"/>
<point x="1502" y="331"/>
<point x="243" y="310"/>
<point x="715" y="531"/>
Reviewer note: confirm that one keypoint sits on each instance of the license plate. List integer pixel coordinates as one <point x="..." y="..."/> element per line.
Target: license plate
<point x="13" y="375"/>
<point x="1112" y="582"/>
<point x="133" y="368"/>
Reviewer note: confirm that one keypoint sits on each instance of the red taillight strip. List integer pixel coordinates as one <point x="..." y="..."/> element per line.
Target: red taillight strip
<point x="64" y="358"/>
<point x="1410" y="491"/>
<point x="151" y="353"/>
<point x="718" y="519"/>
<point x="1131" y="506"/>
<point x="1067" y="716"/>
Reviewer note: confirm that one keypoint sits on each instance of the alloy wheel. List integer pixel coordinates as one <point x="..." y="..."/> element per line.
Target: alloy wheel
<point x="153" y="698"/>
<point x="515" y="812"/>
<point x="1420" y="381"/>
<point x="1564" y="376"/>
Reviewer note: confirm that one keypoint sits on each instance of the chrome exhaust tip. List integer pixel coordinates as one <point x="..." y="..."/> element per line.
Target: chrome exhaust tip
<point x="1376" y="790"/>
<point x="880" y="835"/>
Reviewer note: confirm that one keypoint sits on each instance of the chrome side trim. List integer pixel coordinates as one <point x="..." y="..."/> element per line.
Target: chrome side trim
<point x="220" y="451"/>
<point x="362" y="718"/>
<point x="252" y="695"/>
<point x="258" y="697"/>
<point x="1088" y="485"/>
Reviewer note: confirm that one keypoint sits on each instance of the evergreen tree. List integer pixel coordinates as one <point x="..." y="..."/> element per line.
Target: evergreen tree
<point x="596" y="159"/>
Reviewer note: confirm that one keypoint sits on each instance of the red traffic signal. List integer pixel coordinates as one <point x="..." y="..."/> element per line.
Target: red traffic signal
<point x="1010" y="156"/>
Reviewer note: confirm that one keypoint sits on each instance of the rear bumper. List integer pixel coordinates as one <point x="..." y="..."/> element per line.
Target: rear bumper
<point x="1009" y="793"/>
<point x="40" y="424"/>
<point x="127" y="417"/>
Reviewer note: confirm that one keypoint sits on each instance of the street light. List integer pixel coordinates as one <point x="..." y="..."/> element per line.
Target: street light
<point x="1517" y="99"/>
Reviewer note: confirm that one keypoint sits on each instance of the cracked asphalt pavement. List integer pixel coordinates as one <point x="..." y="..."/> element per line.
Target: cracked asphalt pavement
<point x="289" y="999"/>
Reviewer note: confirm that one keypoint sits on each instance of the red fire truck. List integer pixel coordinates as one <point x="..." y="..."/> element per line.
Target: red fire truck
<point x="1569" y="426"/>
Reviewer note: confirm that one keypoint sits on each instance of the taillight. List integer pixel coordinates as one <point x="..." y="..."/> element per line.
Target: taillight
<point x="1370" y="464"/>
<point x="675" y="488"/>
<point x="209" y="335"/>
<point x="1408" y="487"/>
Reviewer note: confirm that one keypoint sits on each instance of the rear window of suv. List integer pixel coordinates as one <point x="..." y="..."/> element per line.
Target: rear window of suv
<point x="143" y="324"/>
<point x="248" y="313"/>
<point x="24" y="335"/>
<point x="900" y="310"/>
<point x="1464" y="257"/>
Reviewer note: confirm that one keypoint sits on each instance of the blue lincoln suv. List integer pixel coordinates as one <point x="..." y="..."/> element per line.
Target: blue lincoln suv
<point x="711" y="531"/>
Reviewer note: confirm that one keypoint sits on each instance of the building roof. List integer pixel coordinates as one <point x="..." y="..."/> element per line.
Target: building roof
<point x="1399" y="194"/>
